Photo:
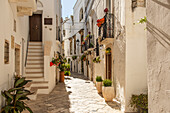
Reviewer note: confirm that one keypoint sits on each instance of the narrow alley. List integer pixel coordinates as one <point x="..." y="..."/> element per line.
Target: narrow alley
<point x="76" y="95"/>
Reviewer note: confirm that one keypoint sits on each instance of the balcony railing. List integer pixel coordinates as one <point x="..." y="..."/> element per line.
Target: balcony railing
<point x="106" y="30"/>
<point x="88" y="44"/>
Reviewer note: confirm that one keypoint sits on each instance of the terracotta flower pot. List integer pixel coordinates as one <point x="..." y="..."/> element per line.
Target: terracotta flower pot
<point x="99" y="87"/>
<point x="61" y="76"/>
<point x="108" y="93"/>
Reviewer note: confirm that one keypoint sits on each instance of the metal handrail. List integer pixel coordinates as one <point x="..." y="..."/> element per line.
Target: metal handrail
<point x="27" y="49"/>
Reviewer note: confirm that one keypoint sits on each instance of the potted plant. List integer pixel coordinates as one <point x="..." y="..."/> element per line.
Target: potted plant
<point x="16" y="96"/>
<point x="74" y="57"/>
<point x="83" y="58"/>
<point x="69" y="60"/>
<point x="67" y="73"/>
<point x="60" y="62"/>
<point x="108" y="51"/>
<point x="140" y="102"/>
<point x="108" y="90"/>
<point x="99" y="84"/>
<point x="96" y="60"/>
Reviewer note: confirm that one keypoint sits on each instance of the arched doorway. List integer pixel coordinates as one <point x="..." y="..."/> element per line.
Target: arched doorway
<point x="108" y="63"/>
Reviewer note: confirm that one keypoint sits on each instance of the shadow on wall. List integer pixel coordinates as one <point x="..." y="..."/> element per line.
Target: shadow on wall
<point x="161" y="36"/>
<point x="163" y="4"/>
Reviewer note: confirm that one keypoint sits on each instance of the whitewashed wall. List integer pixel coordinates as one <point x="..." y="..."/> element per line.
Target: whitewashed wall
<point x="6" y="30"/>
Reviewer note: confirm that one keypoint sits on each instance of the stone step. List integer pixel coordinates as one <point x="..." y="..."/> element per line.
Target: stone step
<point x="34" y="70"/>
<point x="35" y="53"/>
<point x="29" y="56"/>
<point x="32" y="74"/>
<point x="35" y="50"/>
<point x="33" y="96"/>
<point x="35" y="61"/>
<point x="36" y="47"/>
<point x="35" y="66"/>
<point x="36" y="58"/>
<point x="43" y="90"/>
<point x="35" y="43"/>
<point x="35" y="78"/>
<point x="39" y="83"/>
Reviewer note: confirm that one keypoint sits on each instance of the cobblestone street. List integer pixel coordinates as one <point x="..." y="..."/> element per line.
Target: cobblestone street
<point x="76" y="95"/>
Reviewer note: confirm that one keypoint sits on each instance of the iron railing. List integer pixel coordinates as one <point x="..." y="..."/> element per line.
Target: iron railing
<point x="107" y="28"/>
<point x="88" y="43"/>
<point x="27" y="48"/>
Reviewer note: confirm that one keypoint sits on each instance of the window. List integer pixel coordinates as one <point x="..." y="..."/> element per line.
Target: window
<point x="75" y="44"/>
<point x="6" y="52"/>
<point x="71" y="46"/>
<point x="81" y="14"/>
<point x="15" y="26"/>
<point x="97" y="48"/>
<point x="64" y="33"/>
<point x="81" y="43"/>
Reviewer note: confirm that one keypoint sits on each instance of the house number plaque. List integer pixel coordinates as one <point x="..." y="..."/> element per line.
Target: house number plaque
<point x="48" y="21"/>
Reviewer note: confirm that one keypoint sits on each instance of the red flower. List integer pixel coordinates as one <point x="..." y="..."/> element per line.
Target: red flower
<point x="51" y="64"/>
<point x="106" y="10"/>
<point x="89" y="32"/>
<point x="99" y="25"/>
<point x="98" y="20"/>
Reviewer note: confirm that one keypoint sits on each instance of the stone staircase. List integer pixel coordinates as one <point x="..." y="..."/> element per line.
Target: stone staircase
<point x="35" y="70"/>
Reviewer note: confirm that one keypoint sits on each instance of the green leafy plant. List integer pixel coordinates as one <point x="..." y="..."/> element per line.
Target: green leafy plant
<point x="97" y="60"/>
<point x="15" y="97"/>
<point x="67" y="67"/>
<point x="69" y="60"/>
<point x="107" y="83"/>
<point x="108" y="50"/>
<point x="91" y="45"/>
<point x="65" y="60"/>
<point x="142" y="20"/>
<point x="67" y="73"/>
<point x="83" y="57"/>
<point x="140" y="102"/>
<point x="74" y="57"/>
<point x="99" y="79"/>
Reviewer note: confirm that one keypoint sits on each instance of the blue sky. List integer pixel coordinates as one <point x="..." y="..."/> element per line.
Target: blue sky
<point x="67" y="7"/>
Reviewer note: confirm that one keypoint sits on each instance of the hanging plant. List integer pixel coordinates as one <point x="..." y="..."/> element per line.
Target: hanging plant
<point x="100" y="22"/>
<point x="108" y="51"/>
<point x="74" y="57"/>
<point x="96" y="60"/>
<point x="69" y="60"/>
<point x="83" y="58"/>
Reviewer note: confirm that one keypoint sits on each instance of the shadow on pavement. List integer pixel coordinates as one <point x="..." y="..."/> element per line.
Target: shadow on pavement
<point x="79" y="76"/>
<point x="56" y="102"/>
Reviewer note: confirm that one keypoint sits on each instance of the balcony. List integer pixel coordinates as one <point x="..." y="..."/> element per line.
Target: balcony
<point x="106" y="30"/>
<point x="89" y="44"/>
<point x="24" y="7"/>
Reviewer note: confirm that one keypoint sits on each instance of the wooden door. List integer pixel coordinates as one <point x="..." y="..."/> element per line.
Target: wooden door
<point x="109" y="66"/>
<point x="35" y="28"/>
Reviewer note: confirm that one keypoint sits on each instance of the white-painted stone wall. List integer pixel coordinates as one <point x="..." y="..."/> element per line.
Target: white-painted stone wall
<point x="158" y="44"/>
<point x="7" y="17"/>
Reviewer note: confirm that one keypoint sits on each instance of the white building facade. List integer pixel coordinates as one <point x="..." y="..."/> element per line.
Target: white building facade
<point x="28" y="39"/>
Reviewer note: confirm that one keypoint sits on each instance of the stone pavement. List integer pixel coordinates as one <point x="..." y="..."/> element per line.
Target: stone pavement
<point x="76" y="95"/>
